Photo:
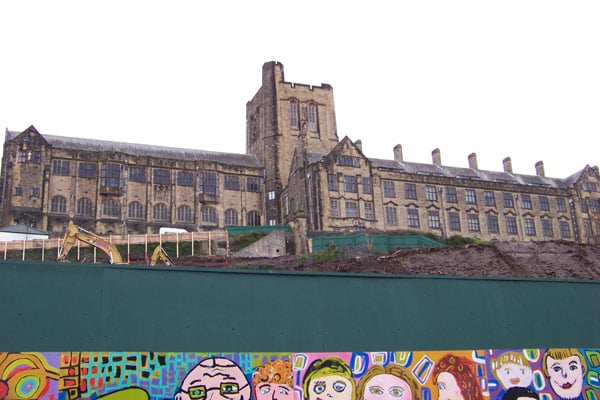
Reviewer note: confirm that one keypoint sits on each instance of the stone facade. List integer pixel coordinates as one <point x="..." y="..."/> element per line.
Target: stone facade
<point x="296" y="171"/>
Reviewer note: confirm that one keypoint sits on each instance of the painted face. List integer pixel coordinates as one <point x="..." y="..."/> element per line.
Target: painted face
<point x="273" y="391"/>
<point x="387" y="387"/>
<point x="330" y="387"/>
<point x="566" y="376"/>
<point x="448" y="387"/>
<point x="515" y="375"/>
<point x="215" y="379"/>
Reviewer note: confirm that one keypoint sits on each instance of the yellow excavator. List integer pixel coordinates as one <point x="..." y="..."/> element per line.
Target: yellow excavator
<point x="75" y="233"/>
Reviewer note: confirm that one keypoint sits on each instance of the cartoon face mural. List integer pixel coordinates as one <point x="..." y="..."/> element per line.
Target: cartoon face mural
<point x="273" y="381"/>
<point x="329" y="379"/>
<point x="387" y="383"/>
<point x="215" y="378"/>
<point x="455" y="380"/>
<point x="564" y="368"/>
<point x="512" y="369"/>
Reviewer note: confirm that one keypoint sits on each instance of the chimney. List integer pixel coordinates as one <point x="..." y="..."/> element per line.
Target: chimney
<point x="507" y="163"/>
<point x="358" y="144"/>
<point x="437" y="157"/>
<point x="398" y="153"/>
<point x="539" y="168"/>
<point x="473" y="161"/>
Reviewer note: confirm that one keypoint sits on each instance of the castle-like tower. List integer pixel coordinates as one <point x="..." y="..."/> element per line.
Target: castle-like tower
<point x="275" y="117"/>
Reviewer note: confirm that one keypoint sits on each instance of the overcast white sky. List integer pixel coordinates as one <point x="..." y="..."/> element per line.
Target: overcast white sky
<point x="498" y="78"/>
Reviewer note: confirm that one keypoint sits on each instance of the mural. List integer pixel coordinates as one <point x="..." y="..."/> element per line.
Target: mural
<point x="508" y="374"/>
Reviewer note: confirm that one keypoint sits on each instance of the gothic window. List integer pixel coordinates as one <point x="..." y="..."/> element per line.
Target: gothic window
<point x="430" y="193"/>
<point x="110" y="176"/>
<point x="451" y="196"/>
<point x="87" y="170"/>
<point x="253" y="185"/>
<point x="135" y="211"/>
<point x="526" y="202"/>
<point x="209" y="215"/>
<point x="111" y="208"/>
<point x="473" y="222"/>
<point x="350" y="184"/>
<point x="565" y="229"/>
<point x="410" y="191"/>
<point x="547" y="230"/>
<point x="391" y="215"/>
<point x="161" y="176"/>
<point x="294" y="114"/>
<point x="231" y="217"/>
<point x="544" y="203"/>
<point x="84" y="207"/>
<point x="160" y="212"/>
<point x="334" y="208"/>
<point x="454" y="221"/>
<point x="561" y="204"/>
<point x="470" y="196"/>
<point x="389" y="189"/>
<point x="511" y="225"/>
<point x="412" y="217"/>
<point x="232" y="182"/>
<point x="351" y="209"/>
<point x="529" y="226"/>
<point x="433" y="218"/>
<point x="60" y="167"/>
<point x="507" y="199"/>
<point x="185" y="178"/>
<point x="492" y="223"/>
<point x="137" y="174"/>
<point x="184" y="214"/>
<point x="312" y="117"/>
<point x="253" y="218"/>
<point x="58" y="204"/>
<point x="489" y="199"/>
<point x="369" y="211"/>
<point x="367" y="187"/>
<point x="332" y="182"/>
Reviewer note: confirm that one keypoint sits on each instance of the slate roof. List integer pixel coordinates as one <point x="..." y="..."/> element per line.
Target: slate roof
<point x="135" y="149"/>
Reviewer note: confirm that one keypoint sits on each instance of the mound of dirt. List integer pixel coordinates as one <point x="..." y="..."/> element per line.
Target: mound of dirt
<point x="556" y="259"/>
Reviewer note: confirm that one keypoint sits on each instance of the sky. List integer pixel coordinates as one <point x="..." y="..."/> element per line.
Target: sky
<point x="517" y="79"/>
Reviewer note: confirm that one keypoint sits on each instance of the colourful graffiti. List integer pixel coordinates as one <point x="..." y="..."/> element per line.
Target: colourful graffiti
<point x="508" y="374"/>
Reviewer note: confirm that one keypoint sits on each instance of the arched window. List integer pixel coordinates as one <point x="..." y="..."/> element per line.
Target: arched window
<point x="84" y="207"/>
<point x="253" y="218"/>
<point x="184" y="214"/>
<point x="159" y="212"/>
<point x="136" y="210"/>
<point x="209" y="214"/>
<point x="231" y="217"/>
<point x="294" y="114"/>
<point x="111" y="208"/>
<point x="312" y="117"/>
<point x="58" y="204"/>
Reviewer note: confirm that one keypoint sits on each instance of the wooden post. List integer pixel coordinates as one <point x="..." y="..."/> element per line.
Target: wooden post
<point x="5" y="249"/>
<point x="24" y="249"/>
<point x="209" y="247"/>
<point x="128" y="259"/>
<point x="192" y="243"/>
<point x="94" y="254"/>
<point x="146" y="247"/>
<point x="78" y="251"/>
<point x="43" y="248"/>
<point x="177" y="244"/>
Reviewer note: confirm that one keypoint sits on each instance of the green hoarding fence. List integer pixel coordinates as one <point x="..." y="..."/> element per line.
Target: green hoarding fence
<point x="379" y="243"/>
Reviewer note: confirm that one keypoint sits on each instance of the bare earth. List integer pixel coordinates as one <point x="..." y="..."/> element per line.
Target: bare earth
<point x="558" y="260"/>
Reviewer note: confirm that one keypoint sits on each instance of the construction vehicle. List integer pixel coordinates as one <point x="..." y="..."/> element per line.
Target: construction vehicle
<point x="75" y="233"/>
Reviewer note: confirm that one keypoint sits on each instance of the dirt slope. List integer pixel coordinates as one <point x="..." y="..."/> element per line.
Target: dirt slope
<point x="559" y="259"/>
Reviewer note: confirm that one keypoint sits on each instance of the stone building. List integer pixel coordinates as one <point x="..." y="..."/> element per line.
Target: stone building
<point x="295" y="171"/>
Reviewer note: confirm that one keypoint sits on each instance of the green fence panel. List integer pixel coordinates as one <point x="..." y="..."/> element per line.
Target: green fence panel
<point x="379" y="243"/>
<point x="83" y="307"/>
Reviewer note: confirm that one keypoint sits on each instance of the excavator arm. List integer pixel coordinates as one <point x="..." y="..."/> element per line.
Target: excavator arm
<point x="75" y="233"/>
<point x="160" y="253"/>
